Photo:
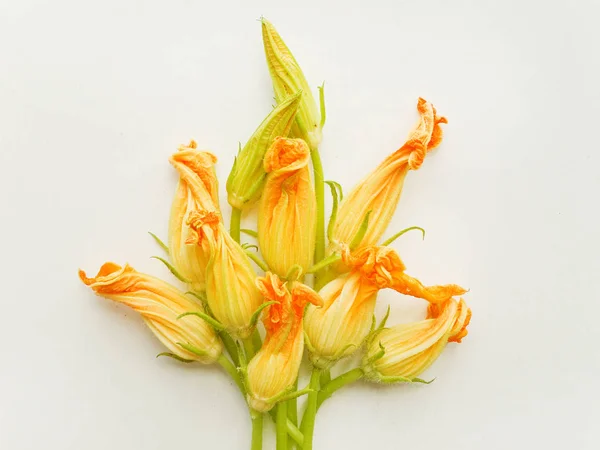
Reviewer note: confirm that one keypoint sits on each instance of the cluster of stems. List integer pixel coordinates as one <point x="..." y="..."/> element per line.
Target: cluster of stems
<point x="290" y="432"/>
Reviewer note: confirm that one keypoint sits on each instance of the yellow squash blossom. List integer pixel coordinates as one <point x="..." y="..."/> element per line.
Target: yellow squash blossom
<point x="380" y="191"/>
<point x="160" y="304"/>
<point x="287" y="213"/>
<point x="247" y="177"/>
<point x="231" y="293"/>
<point x="338" y="328"/>
<point x="197" y="189"/>
<point x="403" y="352"/>
<point x="288" y="79"/>
<point x="273" y="371"/>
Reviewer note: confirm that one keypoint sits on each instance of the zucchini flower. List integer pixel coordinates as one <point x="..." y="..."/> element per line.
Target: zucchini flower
<point x="231" y="293"/>
<point x="379" y="192"/>
<point x="197" y="189"/>
<point x="401" y="353"/>
<point x="160" y="305"/>
<point x="288" y="79"/>
<point x="247" y="178"/>
<point x="338" y="328"/>
<point x="288" y="209"/>
<point x="272" y="372"/>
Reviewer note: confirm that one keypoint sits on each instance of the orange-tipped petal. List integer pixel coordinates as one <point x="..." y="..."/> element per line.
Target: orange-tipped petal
<point x="380" y="191"/>
<point x="288" y="210"/>
<point x="409" y="349"/>
<point x="160" y="304"/>
<point x="274" y="369"/>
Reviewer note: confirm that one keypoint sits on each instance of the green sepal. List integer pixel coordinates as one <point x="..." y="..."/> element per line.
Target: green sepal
<point x="256" y="314"/>
<point x="309" y="346"/>
<point x="172" y="269"/>
<point x="248" y="232"/>
<point x="381" y="325"/>
<point x="192" y="349"/>
<point x="333" y="258"/>
<point x="399" y="379"/>
<point x="247" y="246"/>
<point x="159" y="242"/>
<point x="288" y="394"/>
<point x="360" y="234"/>
<point x="400" y="233"/>
<point x="259" y="262"/>
<point x="322" y="104"/>
<point x="177" y="357"/>
<point x="212" y="322"/>
<point x="376" y="356"/>
<point x="294" y="273"/>
<point x="334" y="208"/>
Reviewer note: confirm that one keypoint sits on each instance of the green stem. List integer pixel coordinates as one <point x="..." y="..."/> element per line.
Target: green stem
<point x="325" y="377"/>
<point x="292" y="411"/>
<point x="295" y="433"/>
<point x="338" y="383"/>
<point x="308" y="421"/>
<point x="232" y="371"/>
<point x="281" y="426"/>
<point x="248" y="348"/>
<point x="320" y="197"/>
<point x="230" y="347"/>
<point x="256" y="340"/>
<point x="334" y="257"/>
<point x="235" y="224"/>
<point x="257" y="430"/>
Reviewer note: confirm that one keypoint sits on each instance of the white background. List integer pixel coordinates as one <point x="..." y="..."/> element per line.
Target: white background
<point x="94" y="96"/>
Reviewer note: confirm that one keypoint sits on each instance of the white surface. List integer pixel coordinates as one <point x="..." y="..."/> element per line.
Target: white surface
<point x="94" y="96"/>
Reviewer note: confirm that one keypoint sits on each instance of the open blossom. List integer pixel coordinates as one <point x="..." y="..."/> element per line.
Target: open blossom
<point x="197" y="189"/>
<point x="287" y="213"/>
<point x="247" y="178"/>
<point x="231" y="293"/>
<point x="159" y="304"/>
<point x="274" y="369"/>
<point x="403" y="352"/>
<point x="288" y="78"/>
<point x="379" y="192"/>
<point x="338" y="328"/>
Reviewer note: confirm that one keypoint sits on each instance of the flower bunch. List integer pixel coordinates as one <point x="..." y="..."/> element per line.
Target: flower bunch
<point x="308" y="285"/>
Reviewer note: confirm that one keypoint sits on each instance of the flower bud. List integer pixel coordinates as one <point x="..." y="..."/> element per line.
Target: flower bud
<point x="160" y="304"/>
<point x="288" y="210"/>
<point x="379" y="192"/>
<point x="341" y="326"/>
<point x="197" y="189"/>
<point x="287" y="79"/>
<point x="231" y="293"/>
<point x="273" y="371"/>
<point x="247" y="178"/>
<point x="403" y="352"/>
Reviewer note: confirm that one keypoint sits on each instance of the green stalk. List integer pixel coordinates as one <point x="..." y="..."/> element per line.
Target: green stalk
<point x="248" y="348"/>
<point x="295" y="433"/>
<point x="308" y="421"/>
<point x="281" y="426"/>
<point x="325" y="377"/>
<point x="320" y="197"/>
<point x="235" y="224"/>
<point x="230" y="346"/>
<point x="338" y="383"/>
<point x="292" y="412"/>
<point x="256" y="340"/>
<point x="232" y="371"/>
<point x="257" y="430"/>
